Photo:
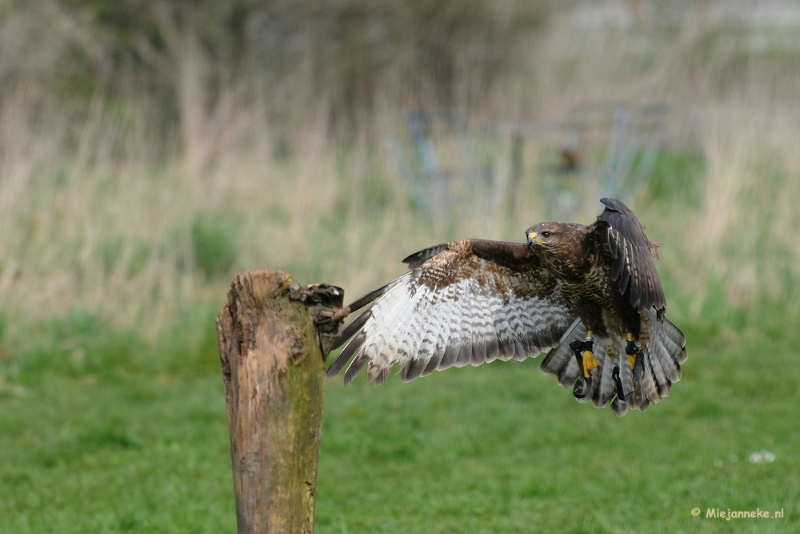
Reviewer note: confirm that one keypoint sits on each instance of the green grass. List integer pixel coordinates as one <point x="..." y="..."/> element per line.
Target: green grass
<point x="131" y="446"/>
<point x="504" y="449"/>
<point x="105" y="432"/>
<point x="144" y="454"/>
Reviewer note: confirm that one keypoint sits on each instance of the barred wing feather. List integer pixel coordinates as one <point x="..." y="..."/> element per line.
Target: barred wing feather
<point x="462" y="303"/>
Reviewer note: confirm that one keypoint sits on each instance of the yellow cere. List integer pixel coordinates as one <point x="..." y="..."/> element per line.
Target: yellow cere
<point x="533" y="236"/>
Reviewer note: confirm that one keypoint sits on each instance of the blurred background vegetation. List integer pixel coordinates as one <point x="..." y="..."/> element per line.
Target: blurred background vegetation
<point x="151" y="149"/>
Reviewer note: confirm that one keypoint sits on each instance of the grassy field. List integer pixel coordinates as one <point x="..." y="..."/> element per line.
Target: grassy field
<point x="138" y="174"/>
<point x="99" y="443"/>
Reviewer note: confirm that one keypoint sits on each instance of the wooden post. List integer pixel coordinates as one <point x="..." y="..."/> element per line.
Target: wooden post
<point x="273" y="368"/>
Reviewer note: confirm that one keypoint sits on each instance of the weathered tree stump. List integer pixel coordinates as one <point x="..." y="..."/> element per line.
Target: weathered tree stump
<point x="271" y="336"/>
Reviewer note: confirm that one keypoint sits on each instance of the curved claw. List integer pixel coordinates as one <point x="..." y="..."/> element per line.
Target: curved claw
<point x="638" y="370"/>
<point x="582" y="387"/>
<point x="586" y="362"/>
<point x="618" y="384"/>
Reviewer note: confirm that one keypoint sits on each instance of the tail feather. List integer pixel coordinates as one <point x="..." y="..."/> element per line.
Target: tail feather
<point x="619" y="407"/>
<point x="677" y="352"/>
<point x="661" y="382"/>
<point x="639" y="401"/>
<point x="670" y="367"/>
<point x="673" y="339"/>
<point x="648" y="382"/>
<point x="557" y="360"/>
<point x="569" y="374"/>
<point x="593" y="386"/>
<point x="607" y="387"/>
<point x="626" y="378"/>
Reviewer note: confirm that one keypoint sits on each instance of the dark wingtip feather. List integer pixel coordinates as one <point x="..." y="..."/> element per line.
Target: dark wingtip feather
<point x="355" y="367"/>
<point x="368" y="298"/>
<point x="612" y="203"/>
<point x="344" y="356"/>
<point x="381" y="376"/>
<point x="633" y="255"/>
<point x="414" y="368"/>
<point x="352" y="327"/>
<point x="358" y="323"/>
<point x="420" y="257"/>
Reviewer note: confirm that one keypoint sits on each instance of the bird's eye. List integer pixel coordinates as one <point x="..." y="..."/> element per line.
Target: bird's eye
<point x="546" y="234"/>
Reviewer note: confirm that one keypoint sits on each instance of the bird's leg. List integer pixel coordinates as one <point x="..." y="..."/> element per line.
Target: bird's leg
<point x="586" y="362"/>
<point x="635" y="356"/>
<point x="632" y="350"/>
<point x="618" y="383"/>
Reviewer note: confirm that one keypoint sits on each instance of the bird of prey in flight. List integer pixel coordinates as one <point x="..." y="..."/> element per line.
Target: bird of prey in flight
<point x="590" y="295"/>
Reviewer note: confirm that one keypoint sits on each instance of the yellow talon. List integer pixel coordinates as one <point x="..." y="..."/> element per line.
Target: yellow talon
<point x="631" y="360"/>
<point x="589" y="363"/>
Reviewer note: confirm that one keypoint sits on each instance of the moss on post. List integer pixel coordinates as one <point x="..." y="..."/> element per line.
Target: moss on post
<point x="274" y="374"/>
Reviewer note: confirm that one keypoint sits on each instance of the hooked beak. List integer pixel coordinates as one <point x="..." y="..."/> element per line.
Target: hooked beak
<point x="533" y="239"/>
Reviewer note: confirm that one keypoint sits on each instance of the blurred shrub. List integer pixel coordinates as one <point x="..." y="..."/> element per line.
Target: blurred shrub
<point x="186" y="62"/>
<point x="677" y="177"/>
<point x="214" y="246"/>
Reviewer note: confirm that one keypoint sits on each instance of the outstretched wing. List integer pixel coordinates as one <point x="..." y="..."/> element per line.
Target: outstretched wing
<point x="465" y="302"/>
<point x="632" y="255"/>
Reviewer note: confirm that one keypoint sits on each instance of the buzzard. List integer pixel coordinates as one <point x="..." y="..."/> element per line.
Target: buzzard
<point x="589" y="294"/>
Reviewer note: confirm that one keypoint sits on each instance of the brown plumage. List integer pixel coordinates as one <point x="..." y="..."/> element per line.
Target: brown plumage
<point x="474" y="301"/>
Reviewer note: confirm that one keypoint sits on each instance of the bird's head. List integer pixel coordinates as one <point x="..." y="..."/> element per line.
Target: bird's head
<point x="544" y="234"/>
